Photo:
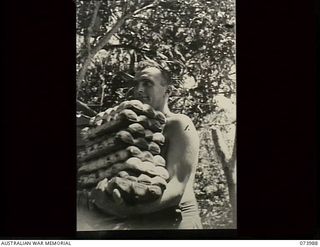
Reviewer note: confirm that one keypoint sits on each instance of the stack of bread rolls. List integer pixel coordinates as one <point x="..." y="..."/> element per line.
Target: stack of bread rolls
<point x="123" y="149"/>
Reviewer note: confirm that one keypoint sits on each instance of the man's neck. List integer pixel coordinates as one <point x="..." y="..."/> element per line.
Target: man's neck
<point x="165" y="109"/>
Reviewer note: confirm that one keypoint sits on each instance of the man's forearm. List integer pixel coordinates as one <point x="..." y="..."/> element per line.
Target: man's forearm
<point x="171" y="197"/>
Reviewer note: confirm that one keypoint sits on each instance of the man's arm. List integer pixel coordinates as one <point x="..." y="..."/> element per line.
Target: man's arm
<point x="182" y="156"/>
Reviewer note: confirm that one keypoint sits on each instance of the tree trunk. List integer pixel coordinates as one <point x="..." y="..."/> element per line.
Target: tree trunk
<point x="229" y="168"/>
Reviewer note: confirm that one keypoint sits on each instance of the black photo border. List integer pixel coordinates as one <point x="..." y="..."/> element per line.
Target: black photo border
<point x="276" y="122"/>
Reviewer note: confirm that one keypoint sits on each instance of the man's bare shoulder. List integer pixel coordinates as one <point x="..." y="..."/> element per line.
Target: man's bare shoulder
<point x="180" y="123"/>
<point x="179" y="120"/>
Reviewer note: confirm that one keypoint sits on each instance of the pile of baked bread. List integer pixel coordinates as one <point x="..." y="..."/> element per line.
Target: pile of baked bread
<point x="123" y="149"/>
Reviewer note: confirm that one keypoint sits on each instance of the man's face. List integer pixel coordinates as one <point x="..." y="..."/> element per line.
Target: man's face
<point x="150" y="87"/>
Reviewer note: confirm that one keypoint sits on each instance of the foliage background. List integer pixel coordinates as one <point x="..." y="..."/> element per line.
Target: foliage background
<point x="195" y="40"/>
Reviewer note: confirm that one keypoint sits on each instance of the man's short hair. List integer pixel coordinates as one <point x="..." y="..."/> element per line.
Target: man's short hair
<point x="153" y="64"/>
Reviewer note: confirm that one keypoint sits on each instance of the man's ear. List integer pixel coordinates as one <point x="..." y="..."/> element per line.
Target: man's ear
<point x="169" y="89"/>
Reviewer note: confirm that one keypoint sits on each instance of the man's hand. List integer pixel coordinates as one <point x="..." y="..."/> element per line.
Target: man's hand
<point x="105" y="203"/>
<point x="103" y="185"/>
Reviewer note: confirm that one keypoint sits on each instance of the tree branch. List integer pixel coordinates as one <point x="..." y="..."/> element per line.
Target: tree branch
<point x="125" y="46"/>
<point x="214" y="124"/>
<point x="140" y="18"/>
<point x="92" y="23"/>
<point x="105" y="40"/>
<point x="85" y="108"/>
<point x="149" y="6"/>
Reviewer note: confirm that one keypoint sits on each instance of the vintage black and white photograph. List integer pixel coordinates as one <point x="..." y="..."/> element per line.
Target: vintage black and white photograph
<point x="156" y="114"/>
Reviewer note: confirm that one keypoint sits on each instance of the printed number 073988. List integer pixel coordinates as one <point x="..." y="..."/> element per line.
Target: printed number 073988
<point x="308" y="242"/>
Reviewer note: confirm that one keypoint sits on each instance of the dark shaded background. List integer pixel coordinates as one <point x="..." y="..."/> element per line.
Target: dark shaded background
<point x="277" y="168"/>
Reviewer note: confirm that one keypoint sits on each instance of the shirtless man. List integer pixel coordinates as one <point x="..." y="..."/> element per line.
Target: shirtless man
<point x="152" y="86"/>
